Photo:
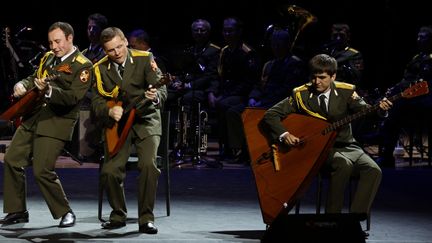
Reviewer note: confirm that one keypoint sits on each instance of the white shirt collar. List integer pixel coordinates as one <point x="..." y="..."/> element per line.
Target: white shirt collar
<point x="67" y="55"/>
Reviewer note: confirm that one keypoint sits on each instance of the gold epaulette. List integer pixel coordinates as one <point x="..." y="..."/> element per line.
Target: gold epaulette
<point x="102" y="60"/>
<point x="352" y="50"/>
<point x="138" y="53"/>
<point x="342" y="85"/>
<point x="246" y="48"/>
<point x="416" y="56"/>
<point x="300" y="88"/>
<point x="296" y="58"/>
<point x="215" y="46"/>
<point x="81" y="59"/>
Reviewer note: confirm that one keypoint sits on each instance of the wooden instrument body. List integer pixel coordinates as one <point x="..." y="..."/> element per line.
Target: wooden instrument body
<point x="27" y="102"/>
<point x="117" y="134"/>
<point x="282" y="173"/>
<point x="279" y="190"/>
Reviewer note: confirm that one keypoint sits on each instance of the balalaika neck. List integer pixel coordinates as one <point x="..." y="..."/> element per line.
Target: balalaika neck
<point x="336" y="125"/>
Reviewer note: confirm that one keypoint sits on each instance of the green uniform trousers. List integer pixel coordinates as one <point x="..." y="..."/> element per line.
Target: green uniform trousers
<point x="29" y="149"/>
<point x="113" y="174"/>
<point x="347" y="162"/>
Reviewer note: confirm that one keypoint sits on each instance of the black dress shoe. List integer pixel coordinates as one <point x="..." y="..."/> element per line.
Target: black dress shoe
<point x="148" y="228"/>
<point x="15" y="218"/>
<point x="113" y="225"/>
<point x="67" y="220"/>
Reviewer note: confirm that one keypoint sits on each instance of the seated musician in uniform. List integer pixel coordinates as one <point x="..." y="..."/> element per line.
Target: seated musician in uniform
<point x="346" y="158"/>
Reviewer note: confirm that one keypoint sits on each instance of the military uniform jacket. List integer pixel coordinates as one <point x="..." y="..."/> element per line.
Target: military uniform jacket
<point x="343" y="101"/>
<point x="420" y="67"/>
<point x="139" y="72"/>
<point x="239" y="71"/>
<point x="94" y="54"/>
<point x="350" y="65"/>
<point x="204" y="70"/>
<point x="279" y="78"/>
<point x="56" y="116"/>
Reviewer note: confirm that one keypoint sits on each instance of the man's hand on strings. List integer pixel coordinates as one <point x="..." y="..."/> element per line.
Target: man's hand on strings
<point x="385" y="104"/>
<point x="290" y="139"/>
<point x="151" y="93"/>
<point x="41" y="84"/>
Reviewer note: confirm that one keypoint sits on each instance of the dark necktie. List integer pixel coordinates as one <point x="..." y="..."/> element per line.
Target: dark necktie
<point x="57" y="61"/>
<point x="323" y="105"/>
<point x="121" y="70"/>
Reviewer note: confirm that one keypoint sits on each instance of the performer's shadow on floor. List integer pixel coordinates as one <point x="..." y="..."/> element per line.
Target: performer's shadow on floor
<point x="55" y="234"/>
<point x="243" y="234"/>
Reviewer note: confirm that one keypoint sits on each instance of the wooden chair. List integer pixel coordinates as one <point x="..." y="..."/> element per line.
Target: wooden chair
<point x="162" y="163"/>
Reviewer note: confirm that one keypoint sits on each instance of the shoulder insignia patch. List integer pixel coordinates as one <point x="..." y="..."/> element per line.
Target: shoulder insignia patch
<point x="138" y="53"/>
<point x="342" y="85"/>
<point x="85" y="76"/>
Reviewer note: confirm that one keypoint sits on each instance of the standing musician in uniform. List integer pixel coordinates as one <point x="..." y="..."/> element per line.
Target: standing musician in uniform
<point x="95" y="24"/>
<point x="45" y="130"/>
<point x="346" y="158"/>
<point x="134" y="73"/>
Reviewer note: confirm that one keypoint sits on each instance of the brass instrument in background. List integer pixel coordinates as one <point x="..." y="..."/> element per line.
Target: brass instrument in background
<point x="202" y="131"/>
<point x="182" y="125"/>
<point x="192" y="130"/>
<point x="296" y="19"/>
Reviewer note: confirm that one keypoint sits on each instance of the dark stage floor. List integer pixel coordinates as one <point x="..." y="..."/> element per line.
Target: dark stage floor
<point x="216" y="205"/>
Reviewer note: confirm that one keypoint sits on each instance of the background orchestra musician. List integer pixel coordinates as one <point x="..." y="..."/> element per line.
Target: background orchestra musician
<point x="408" y="110"/>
